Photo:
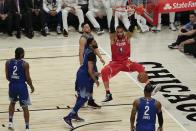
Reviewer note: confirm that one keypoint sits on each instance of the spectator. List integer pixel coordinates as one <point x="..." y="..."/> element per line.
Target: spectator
<point x="186" y="32"/>
<point x="52" y="8"/>
<point x="4" y="17"/>
<point x="189" y="46"/>
<point x="99" y="9"/>
<point x="71" y="6"/>
<point x="37" y="14"/>
<point x="171" y="20"/>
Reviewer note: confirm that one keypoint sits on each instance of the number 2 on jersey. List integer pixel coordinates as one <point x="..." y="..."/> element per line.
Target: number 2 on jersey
<point x="15" y="70"/>
<point x="146" y="111"/>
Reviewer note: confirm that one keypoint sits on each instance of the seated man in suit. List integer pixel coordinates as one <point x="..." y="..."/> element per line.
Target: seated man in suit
<point x="4" y="19"/>
<point x="37" y="14"/>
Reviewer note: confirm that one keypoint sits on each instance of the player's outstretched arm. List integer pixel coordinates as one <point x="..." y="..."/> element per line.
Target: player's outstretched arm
<point x="28" y="78"/>
<point x="133" y="113"/>
<point x="160" y="116"/>
<point x="82" y="43"/>
<point x="112" y="28"/>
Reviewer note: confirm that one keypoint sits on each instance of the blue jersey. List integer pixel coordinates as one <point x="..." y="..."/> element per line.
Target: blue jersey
<point x="83" y="79"/>
<point x="146" y="116"/>
<point x="16" y="71"/>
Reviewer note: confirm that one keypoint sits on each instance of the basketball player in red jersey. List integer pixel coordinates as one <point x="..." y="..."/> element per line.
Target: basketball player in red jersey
<point x="120" y="49"/>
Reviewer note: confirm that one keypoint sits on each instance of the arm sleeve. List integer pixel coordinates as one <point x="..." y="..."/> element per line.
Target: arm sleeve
<point x="112" y="24"/>
<point x="91" y="57"/>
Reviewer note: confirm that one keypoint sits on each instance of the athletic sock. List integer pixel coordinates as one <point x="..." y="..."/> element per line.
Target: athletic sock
<point x="10" y="118"/>
<point x="108" y="92"/>
<point x="90" y="98"/>
<point x="26" y="125"/>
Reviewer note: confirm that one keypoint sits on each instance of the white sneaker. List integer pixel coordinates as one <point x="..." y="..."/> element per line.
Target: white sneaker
<point x="154" y="28"/>
<point x="156" y="89"/>
<point x="159" y="27"/>
<point x="58" y="29"/>
<point x="11" y="126"/>
<point x="144" y="28"/>
<point x="172" y="27"/>
<point x="46" y="29"/>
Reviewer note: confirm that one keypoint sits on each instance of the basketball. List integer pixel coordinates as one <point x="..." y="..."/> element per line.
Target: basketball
<point x="142" y="77"/>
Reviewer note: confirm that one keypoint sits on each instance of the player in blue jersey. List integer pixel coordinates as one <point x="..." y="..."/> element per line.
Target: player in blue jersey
<point x="86" y="77"/>
<point x="17" y="73"/>
<point x="82" y="46"/>
<point x="146" y="108"/>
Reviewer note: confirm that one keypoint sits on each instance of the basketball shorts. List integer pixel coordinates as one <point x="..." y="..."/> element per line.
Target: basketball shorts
<point x="19" y="92"/>
<point x="145" y="127"/>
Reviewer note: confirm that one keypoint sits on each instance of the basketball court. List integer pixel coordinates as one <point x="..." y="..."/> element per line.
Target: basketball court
<point x="53" y="64"/>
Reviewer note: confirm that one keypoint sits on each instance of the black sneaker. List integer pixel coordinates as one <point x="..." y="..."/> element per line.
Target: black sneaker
<point x="91" y="103"/>
<point x="65" y="33"/>
<point x="173" y="46"/>
<point x="43" y="32"/>
<point x="108" y="97"/>
<point x="18" y="34"/>
<point x="68" y="122"/>
<point x="30" y="34"/>
<point x="77" y="118"/>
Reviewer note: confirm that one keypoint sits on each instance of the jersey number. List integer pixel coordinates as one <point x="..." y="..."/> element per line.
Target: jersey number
<point x="15" y="70"/>
<point x="146" y="110"/>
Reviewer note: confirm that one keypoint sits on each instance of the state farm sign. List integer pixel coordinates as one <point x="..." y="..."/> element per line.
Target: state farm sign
<point x="176" y="5"/>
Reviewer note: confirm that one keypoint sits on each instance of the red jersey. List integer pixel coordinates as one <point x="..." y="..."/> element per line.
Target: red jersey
<point x="120" y="49"/>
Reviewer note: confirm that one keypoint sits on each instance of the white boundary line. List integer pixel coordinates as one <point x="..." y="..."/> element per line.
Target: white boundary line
<point x="107" y="54"/>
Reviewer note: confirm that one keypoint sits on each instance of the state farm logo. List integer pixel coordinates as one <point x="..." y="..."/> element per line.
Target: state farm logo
<point x="167" y="7"/>
<point x="175" y="5"/>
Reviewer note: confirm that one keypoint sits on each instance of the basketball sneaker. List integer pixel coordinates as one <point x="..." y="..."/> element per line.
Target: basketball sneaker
<point x="68" y="122"/>
<point x="91" y="103"/>
<point x="108" y="97"/>
<point x="77" y="118"/>
<point x="11" y="126"/>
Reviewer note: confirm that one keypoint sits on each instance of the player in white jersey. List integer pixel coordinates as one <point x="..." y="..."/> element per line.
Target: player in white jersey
<point x="99" y="8"/>
<point x="71" y="6"/>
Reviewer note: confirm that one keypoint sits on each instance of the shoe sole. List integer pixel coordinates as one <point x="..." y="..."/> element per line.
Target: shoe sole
<point x="108" y="100"/>
<point x="93" y="107"/>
